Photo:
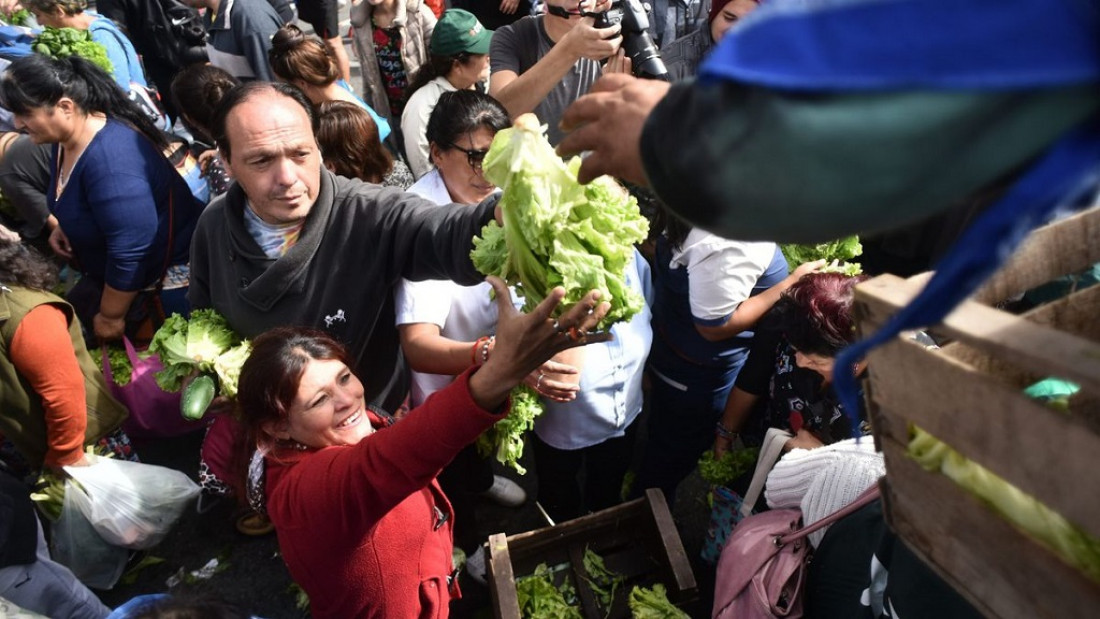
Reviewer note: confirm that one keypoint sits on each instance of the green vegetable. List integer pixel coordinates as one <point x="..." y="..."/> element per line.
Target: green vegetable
<point x="228" y="366"/>
<point x="556" y="231"/>
<point x="729" y="467"/>
<point x="197" y="397"/>
<point x="540" y="599"/>
<point x="838" y="253"/>
<point x="505" y="438"/>
<point x="121" y="369"/>
<point x="65" y="42"/>
<point x="601" y="580"/>
<point x="49" y="495"/>
<point x="185" y="346"/>
<point x="653" y="604"/>
<point x="18" y="18"/>
<point x="1038" y="521"/>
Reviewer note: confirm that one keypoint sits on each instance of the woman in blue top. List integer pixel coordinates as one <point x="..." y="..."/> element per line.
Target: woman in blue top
<point x="124" y="216"/>
<point x="71" y="14"/>
<point x="710" y="292"/>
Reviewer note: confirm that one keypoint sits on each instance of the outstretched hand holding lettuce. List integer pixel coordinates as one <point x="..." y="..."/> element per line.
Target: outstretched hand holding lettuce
<point x="556" y="232"/>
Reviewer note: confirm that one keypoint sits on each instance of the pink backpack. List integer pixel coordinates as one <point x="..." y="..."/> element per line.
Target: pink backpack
<point x="762" y="569"/>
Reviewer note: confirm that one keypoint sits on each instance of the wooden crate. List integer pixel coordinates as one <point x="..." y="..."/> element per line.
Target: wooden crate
<point x="637" y="540"/>
<point x="969" y="395"/>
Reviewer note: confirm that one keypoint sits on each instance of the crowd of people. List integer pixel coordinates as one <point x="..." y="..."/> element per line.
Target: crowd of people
<point x="330" y="221"/>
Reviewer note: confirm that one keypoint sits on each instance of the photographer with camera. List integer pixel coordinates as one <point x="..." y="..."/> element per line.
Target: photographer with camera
<point x="543" y="63"/>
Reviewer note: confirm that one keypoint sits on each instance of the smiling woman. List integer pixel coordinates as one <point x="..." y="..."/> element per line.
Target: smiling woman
<point x="363" y="526"/>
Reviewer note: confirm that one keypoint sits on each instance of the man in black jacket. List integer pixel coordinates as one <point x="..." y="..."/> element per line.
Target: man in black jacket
<point x="292" y="244"/>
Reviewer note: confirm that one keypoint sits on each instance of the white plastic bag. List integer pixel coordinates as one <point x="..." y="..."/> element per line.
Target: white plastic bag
<point x="75" y="544"/>
<point x="131" y="504"/>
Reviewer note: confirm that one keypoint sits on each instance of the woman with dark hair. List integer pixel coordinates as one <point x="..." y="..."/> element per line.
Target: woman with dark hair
<point x="197" y="91"/>
<point x="362" y="524"/>
<point x="710" y="292"/>
<point x="307" y="62"/>
<point x="790" y="370"/>
<point x="459" y="60"/>
<point x="125" y="216"/>
<point x="459" y="136"/>
<point x="441" y="321"/>
<point x="72" y="14"/>
<point x="351" y="147"/>
<point x="53" y="395"/>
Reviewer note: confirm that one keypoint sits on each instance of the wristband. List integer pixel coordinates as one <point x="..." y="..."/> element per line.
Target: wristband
<point x="723" y="432"/>
<point x="485" y="346"/>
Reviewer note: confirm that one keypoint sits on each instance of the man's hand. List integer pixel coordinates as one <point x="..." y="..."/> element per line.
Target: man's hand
<point x="59" y="243"/>
<point x="585" y="40"/>
<point x="508" y="7"/>
<point x="108" y="329"/>
<point x="608" y="122"/>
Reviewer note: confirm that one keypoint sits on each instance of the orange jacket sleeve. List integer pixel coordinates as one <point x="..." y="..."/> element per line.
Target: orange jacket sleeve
<point x="43" y="354"/>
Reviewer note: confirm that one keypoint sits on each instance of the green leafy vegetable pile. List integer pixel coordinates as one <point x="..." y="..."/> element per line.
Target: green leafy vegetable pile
<point x="121" y="368"/>
<point x="505" y="438"/>
<point x="18" y="18"/>
<point x="65" y="42"/>
<point x="838" y="254"/>
<point x="653" y="604"/>
<point x="730" y="466"/>
<point x="556" y="231"/>
<point x="204" y="344"/>
<point x="540" y="599"/>
<point x="1041" y="523"/>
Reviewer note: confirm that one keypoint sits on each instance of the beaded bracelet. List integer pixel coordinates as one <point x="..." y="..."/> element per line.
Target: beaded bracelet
<point x="473" y="351"/>
<point x="485" y="346"/>
<point x="723" y="432"/>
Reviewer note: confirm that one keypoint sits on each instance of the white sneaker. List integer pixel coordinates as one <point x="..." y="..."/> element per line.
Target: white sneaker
<point x="475" y="566"/>
<point x="505" y="492"/>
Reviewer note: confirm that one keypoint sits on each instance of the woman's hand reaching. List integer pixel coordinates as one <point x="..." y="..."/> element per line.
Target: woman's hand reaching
<point x="524" y="342"/>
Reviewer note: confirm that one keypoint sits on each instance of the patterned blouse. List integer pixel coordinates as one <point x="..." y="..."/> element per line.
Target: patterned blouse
<point x="387" y="48"/>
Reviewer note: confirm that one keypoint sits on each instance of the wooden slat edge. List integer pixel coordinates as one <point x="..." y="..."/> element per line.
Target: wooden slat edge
<point x="670" y="539"/>
<point x="1043" y="452"/>
<point x="501" y="579"/>
<point x="1036" y="348"/>
<point x="1066" y="246"/>
<point x="999" y="569"/>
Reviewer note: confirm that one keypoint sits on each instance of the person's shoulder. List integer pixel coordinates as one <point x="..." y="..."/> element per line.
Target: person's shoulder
<point x="525" y="26"/>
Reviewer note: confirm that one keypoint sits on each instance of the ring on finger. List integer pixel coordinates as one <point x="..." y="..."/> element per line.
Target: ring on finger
<point x="557" y="326"/>
<point x="538" y="382"/>
<point x="577" y="335"/>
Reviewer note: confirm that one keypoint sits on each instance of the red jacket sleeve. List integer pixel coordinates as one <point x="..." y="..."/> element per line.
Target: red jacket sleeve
<point x="43" y="354"/>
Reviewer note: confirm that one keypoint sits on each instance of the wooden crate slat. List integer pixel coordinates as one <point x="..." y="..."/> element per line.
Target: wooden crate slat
<point x="1033" y="447"/>
<point x="991" y="563"/>
<point x="505" y="600"/>
<point x="679" y="564"/>
<point x="1031" y="346"/>
<point x="1067" y="246"/>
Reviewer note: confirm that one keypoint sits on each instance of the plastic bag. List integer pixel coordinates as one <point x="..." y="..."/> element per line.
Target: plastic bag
<point x="154" y="412"/>
<point x="76" y="544"/>
<point x="130" y="504"/>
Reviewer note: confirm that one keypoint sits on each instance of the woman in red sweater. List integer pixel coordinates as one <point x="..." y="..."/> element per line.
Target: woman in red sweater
<point x="363" y="526"/>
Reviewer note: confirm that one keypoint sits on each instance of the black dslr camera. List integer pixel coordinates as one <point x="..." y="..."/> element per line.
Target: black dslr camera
<point x="639" y="46"/>
<point x="631" y="15"/>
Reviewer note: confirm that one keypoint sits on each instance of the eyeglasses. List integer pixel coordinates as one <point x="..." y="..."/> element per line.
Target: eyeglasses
<point x="473" y="157"/>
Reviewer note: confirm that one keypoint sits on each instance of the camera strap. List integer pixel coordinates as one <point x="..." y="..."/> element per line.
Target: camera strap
<point x="566" y="13"/>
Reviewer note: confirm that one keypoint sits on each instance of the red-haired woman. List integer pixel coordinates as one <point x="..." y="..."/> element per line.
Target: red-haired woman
<point x="791" y="372"/>
<point x="363" y="526"/>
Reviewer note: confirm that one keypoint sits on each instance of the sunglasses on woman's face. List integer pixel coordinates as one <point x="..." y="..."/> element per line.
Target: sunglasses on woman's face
<point x="473" y="157"/>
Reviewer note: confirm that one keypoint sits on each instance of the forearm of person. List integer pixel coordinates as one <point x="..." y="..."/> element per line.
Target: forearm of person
<point x="115" y="303"/>
<point x="723" y="155"/>
<point x="437" y="245"/>
<point x="746" y="315"/>
<point x="738" y="406"/>
<point x="428" y="351"/>
<point x="522" y="93"/>
<point x="42" y="352"/>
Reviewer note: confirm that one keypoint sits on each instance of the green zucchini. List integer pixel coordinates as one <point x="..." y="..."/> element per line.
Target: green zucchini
<point x="197" y="397"/>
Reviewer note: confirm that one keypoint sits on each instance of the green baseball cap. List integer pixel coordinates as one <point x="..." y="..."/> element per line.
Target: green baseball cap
<point x="459" y="31"/>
